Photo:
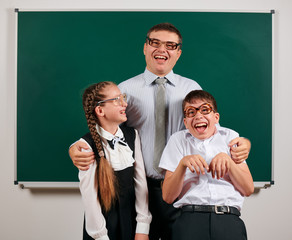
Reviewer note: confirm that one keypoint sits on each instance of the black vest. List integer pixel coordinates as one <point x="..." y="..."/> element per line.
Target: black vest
<point x="121" y="218"/>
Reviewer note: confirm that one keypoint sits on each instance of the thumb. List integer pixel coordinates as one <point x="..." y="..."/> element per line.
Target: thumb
<point x="81" y="145"/>
<point x="233" y="142"/>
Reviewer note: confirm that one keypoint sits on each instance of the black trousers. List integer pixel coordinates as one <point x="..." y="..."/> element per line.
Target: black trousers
<point x="163" y="214"/>
<point x="208" y="226"/>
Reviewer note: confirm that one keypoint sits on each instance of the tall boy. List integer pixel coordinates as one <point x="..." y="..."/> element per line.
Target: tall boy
<point x="208" y="187"/>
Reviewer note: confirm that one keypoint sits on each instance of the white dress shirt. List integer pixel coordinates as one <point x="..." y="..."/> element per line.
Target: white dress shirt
<point x="120" y="158"/>
<point x="140" y="92"/>
<point x="201" y="189"/>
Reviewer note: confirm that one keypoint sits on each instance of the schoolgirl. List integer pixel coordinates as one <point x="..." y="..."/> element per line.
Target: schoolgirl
<point x="114" y="189"/>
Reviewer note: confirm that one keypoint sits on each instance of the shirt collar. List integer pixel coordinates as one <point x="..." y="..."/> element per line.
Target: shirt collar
<point x="150" y="77"/>
<point x="108" y="136"/>
<point x="188" y="134"/>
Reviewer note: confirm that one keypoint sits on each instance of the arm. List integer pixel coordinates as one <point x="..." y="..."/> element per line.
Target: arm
<point x="80" y="159"/>
<point x="239" y="174"/>
<point x="143" y="215"/>
<point x="95" y="222"/>
<point x="173" y="181"/>
<point x="240" y="151"/>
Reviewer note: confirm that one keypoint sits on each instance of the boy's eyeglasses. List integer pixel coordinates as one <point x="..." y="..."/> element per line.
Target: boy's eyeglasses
<point x="118" y="101"/>
<point x="157" y="43"/>
<point x="204" y="109"/>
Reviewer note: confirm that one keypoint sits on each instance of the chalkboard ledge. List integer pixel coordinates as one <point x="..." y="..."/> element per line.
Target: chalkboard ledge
<point x="75" y="185"/>
<point x="68" y="185"/>
<point x="263" y="184"/>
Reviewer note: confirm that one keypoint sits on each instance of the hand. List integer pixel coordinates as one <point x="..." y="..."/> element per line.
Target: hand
<point x="195" y="163"/>
<point x="81" y="160"/>
<point x="141" y="236"/>
<point x="220" y="165"/>
<point x="240" y="152"/>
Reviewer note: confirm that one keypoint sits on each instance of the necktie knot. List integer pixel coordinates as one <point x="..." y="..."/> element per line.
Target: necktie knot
<point x="160" y="81"/>
<point x="116" y="140"/>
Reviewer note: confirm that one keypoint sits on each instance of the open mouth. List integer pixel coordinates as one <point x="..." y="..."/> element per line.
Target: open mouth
<point x="160" y="57"/>
<point x="201" y="127"/>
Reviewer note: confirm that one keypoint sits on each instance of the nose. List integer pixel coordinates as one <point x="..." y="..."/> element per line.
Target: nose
<point x="124" y="103"/>
<point x="198" y="115"/>
<point x="162" y="46"/>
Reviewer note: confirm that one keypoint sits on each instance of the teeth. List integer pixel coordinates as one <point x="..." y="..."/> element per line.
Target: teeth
<point x="160" y="57"/>
<point x="201" y="125"/>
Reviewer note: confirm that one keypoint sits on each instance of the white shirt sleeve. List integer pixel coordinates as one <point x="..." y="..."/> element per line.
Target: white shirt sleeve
<point x="173" y="152"/>
<point x="141" y="191"/>
<point x="95" y="222"/>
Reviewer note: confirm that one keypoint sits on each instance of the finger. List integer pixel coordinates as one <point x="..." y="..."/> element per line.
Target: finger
<point x="83" y="168"/>
<point x="190" y="166"/>
<point x="233" y="142"/>
<point x="80" y="145"/>
<point x="197" y="169"/>
<point x="218" y="171"/>
<point x="204" y="164"/>
<point x="200" y="167"/>
<point x="239" y="157"/>
<point x="212" y="169"/>
<point x="223" y="170"/>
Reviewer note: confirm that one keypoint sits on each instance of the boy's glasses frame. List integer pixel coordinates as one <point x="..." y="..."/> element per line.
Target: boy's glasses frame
<point x="204" y="109"/>
<point x="118" y="101"/>
<point x="156" y="43"/>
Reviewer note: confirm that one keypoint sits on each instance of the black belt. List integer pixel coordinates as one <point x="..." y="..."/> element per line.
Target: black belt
<point x="156" y="183"/>
<point x="211" y="208"/>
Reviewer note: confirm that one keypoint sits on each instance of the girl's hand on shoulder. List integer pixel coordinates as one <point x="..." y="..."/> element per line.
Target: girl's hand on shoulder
<point x="141" y="236"/>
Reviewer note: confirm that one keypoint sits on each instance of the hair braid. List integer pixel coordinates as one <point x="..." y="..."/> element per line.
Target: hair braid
<point x="105" y="175"/>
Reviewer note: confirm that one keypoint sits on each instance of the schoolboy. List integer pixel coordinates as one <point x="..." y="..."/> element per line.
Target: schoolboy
<point x="201" y="178"/>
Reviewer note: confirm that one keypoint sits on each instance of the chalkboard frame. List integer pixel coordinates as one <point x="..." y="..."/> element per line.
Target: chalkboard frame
<point x="56" y="184"/>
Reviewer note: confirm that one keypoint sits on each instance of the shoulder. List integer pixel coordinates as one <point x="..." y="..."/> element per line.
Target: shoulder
<point x="178" y="137"/>
<point x="87" y="138"/>
<point x="126" y="129"/>
<point x="227" y="133"/>
<point x="129" y="83"/>
<point x="184" y="81"/>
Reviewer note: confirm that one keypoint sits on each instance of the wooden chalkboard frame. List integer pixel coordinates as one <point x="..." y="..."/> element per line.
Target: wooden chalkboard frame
<point x="24" y="179"/>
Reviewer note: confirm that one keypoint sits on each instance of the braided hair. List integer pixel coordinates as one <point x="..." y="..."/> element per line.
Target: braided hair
<point x="105" y="176"/>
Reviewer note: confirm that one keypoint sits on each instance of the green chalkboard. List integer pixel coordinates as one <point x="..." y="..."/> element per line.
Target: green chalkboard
<point x="60" y="53"/>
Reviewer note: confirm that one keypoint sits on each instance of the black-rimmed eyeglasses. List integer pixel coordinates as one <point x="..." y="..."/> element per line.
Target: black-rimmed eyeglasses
<point x="153" y="42"/>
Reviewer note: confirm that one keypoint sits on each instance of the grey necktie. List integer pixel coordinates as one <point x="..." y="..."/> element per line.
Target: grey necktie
<point x="159" y="122"/>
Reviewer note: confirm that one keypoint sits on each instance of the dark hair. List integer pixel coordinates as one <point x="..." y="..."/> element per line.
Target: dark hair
<point x="165" y="27"/>
<point x="105" y="176"/>
<point x="201" y="95"/>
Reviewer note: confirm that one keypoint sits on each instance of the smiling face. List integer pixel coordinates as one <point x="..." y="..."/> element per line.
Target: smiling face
<point x="201" y="126"/>
<point x="161" y="61"/>
<point x="111" y="114"/>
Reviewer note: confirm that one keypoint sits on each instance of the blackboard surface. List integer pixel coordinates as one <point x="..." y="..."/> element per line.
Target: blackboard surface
<point x="60" y="53"/>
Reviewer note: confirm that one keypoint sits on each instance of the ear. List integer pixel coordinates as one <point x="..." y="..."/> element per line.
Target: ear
<point x="179" y="52"/>
<point x="185" y="123"/>
<point x="217" y="117"/>
<point x="99" y="111"/>
<point x="145" y="46"/>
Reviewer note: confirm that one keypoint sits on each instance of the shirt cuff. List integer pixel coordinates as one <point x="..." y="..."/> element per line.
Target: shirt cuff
<point x="142" y="228"/>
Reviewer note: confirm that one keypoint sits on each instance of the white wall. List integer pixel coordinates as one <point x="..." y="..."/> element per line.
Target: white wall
<point x="58" y="214"/>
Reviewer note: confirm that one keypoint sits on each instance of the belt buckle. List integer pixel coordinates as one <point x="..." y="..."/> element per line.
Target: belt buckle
<point x="221" y="212"/>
